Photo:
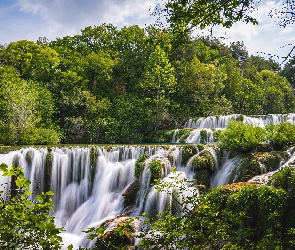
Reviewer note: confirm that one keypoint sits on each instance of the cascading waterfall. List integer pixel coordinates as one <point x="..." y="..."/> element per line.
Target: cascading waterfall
<point x="222" y="176"/>
<point x="210" y="124"/>
<point x="88" y="182"/>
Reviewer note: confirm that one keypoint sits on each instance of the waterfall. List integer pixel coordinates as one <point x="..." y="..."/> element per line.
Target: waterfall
<point x="202" y="129"/>
<point x="88" y="182"/>
<point x="222" y="176"/>
<point x="222" y="121"/>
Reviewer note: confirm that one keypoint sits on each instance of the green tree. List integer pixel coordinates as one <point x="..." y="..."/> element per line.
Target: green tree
<point x="158" y="83"/>
<point x="24" y="105"/>
<point x="200" y="87"/>
<point x="32" y="61"/>
<point x="182" y="16"/>
<point x="98" y="70"/>
<point x="289" y="71"/>
<point x="278" y="95"/>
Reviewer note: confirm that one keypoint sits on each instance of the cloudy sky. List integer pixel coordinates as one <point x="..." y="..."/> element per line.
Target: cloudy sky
<point x="30" y="19"/>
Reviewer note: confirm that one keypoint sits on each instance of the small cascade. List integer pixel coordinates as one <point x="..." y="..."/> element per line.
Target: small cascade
<point x="211" y="121"/>
<point x="222" y="176"/>
<point x="202" y="129"/>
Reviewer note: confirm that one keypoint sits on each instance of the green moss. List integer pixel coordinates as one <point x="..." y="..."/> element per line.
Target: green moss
<point x="119" y="236"/>
<point x="200" y="147"/>
<point x="203" y="161"/>
<point x="139" y="165"/>
<point x="203" y="165"/>
<point x="183" y="134"/>
<point x="255" y="164"/>
<point x="156" y="167"/>
<point x="188" y="151"/>
<point x="203" y="136"/>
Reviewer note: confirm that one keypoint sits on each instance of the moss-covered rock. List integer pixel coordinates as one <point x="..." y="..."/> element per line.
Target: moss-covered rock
<point x="156" y="167"/>
<point x="183" y="134"/>
<point x="118" y="232"/>
<point x="256" y="164"/>
<point x="203" y="166"/>
<point x="264" y="148"/>
<point x="130" y="194"/>
<point x="139" y="165"/>
<point x="188" y="151"/>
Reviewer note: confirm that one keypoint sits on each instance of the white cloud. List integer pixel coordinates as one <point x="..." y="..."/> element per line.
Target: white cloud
<point x="30" y="19"/>
<point x="265" y="39"/>
<point x="68" y="17"/>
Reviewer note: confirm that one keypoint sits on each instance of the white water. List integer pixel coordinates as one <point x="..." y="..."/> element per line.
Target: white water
<point x="89" y="192"/>
<point x="211" y="123"/>
<point x="223" y="121"/>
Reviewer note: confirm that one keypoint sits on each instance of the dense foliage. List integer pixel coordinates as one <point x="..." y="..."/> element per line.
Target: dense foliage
<point x="109" y="85"/>
<point x="236" y="216"/>
<point x="25" y="223"/>
<point x="246" y="137"/>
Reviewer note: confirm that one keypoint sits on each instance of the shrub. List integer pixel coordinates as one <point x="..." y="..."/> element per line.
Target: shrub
<point x="241" y="137"/>
<point x="39" y="136"/>
<point x="26" y="224"/>
<point x="280" y="135"/>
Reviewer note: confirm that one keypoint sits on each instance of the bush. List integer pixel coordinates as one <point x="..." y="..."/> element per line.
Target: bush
<point x="241" y="137"/>
<point x="39" y="136"/>
<point x="280" y="135"/>
<point x="26" y="224"/>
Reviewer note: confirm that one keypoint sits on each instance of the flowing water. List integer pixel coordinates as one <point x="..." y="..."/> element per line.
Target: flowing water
<point x="88" y="182"/>
<point x="207" y="125"/>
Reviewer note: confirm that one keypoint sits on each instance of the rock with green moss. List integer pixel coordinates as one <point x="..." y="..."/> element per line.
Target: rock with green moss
<point x="139" y="165"/>
<point x="256" y="164"/>
<point x="156" y="167"/>
<point x="188" y="151"/>
<point x="203" y="166"/>
<point x="118" y="233"/>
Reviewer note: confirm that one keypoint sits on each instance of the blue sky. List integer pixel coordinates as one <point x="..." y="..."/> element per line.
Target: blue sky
<point x="30" y="19"/>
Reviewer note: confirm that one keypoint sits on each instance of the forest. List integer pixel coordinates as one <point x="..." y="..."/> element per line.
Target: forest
<point x="109" y="85"/>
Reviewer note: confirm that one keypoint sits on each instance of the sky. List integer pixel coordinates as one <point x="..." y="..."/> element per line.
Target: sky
<point x="31" y="19"/>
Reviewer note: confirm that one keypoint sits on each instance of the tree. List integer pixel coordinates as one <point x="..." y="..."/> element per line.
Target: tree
<point x="24" y="223"/>
<point x="289" y="71"/>
<point x="159" y="81"/>
<point x="182" y="16"/>
<point x="24" y="105"/>
<point x="32" y="61"/>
